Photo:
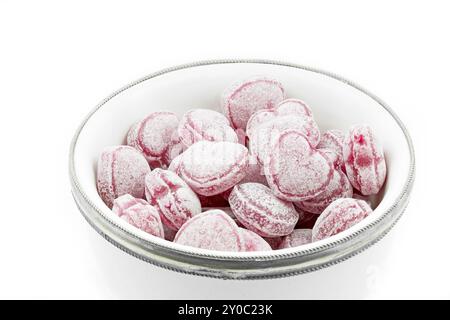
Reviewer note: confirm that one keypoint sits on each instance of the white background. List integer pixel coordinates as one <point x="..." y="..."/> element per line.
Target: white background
<point x="59" y="59"/>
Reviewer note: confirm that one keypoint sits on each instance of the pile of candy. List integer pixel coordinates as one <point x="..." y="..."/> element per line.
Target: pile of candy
<point x="259" y="177"/>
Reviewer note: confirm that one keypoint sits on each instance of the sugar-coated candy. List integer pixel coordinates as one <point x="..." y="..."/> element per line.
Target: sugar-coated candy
<point x="340" y="215"/>
<point x="254" y="242"/>
<point x="242" y="99"/>
<point x="339" y="187"/>
<point x="333" y="140"/>
<point x="255" y="206"/>
<point x="335" y="159"/>
<point x="120" y="170"/>
<point x="139" y="213"/>
<point x="364" y="160"/>
<point x="259" y="176"/>
<point x="211" y="168"/>
<point x="213" y="230"/>
<point x="263" y="134"/>
<point x="242" y="136"/>
<point x="293" y="107"/>
<point x="156" y="138"/>
<point x="204" y="124"/>
<point x="125" y="201"/>
<point x="255" y="173"/>
<point x="294" y="170"/>
<point x="174" y="165"/>
<point x="173" y="198"/>
<point x="298" y="237"/>
<point x="228" y="211"/>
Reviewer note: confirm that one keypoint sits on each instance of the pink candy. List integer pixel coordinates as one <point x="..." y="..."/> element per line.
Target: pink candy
<point x="260" y="140"/>
<point x="156" y="138"/>
<point x="295" y="171"/>
<point x="175" y="164"/>
<point x="255" y="172"/>
<point x="139" y="213"/>
<point x="120" y="170"/>
<point x="255" y="206"/>
<point x="340" y="215"/>
<point x="210" y="168"/>
<point x="172" y="197"/>
<point x="203" y="124"/>
<point x="333" y="140"/>
<point x="253" y="242"/>
<point x="213" y="230"/>
<point x="298" y="237"/>
<point x="364" y="160"/>
<point x="339" y="187"/>
<point x="294" y="186"/>
<point x="243" y="99"/>
<point x="293" y="107"/>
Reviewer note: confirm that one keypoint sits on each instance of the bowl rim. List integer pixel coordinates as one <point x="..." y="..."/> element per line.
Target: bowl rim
<point x="321" y="246"/>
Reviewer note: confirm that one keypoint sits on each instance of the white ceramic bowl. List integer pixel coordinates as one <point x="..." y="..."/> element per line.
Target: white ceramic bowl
<point x="336" y="103"/>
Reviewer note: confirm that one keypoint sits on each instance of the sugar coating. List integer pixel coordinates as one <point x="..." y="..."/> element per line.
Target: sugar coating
<point x="211" y="168"/>
<point x="332" y="140"/>
<point x="253" y="242"/>
<point x="124" y="202"/>
<point x="120" y="170"/>
<point x="339" y="187"/>
<point x="333" y="158"/>
<point x="172" y="197"/>
<point x="244" y="98"/>
<point x="364" y="160"/>
<point x="242" y="136"/>
<point x="204" y="124"/>
<point x="156" y="137"/>
<point x="294" y="170"/>
<point x="288" y="107"/>
<point x="255" y="206"/>
<point x="306" y="220"/>
<point x="340" y="215"/>
<point x="298" y="237"/>
<point x="139" y="214"/>
<point x="213" y="230"/>
<point x="255" y="172"/>
<point x="261" y="138"/>
<point x="294" y="107"/>
<point x="227" y="210"/>
<point x="174" y="165"/>
<point x="258" y="118"/>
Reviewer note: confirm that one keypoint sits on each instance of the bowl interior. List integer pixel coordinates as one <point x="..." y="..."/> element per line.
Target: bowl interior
<point x="335" y="104"/>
